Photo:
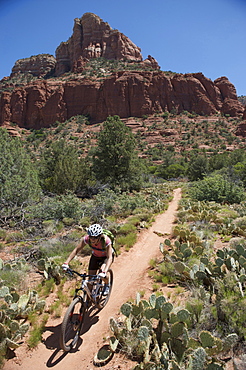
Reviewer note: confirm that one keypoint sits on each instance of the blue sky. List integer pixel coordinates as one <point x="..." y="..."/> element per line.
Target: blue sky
<point x="184" y="36"/>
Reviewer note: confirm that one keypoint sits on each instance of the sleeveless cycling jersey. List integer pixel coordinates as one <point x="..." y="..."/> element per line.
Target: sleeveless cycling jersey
<point x="99" y="249"/>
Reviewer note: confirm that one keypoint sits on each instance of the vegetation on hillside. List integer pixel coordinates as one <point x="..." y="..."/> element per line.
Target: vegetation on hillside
<point x="55" y="182"/>
<point x="95" y="68"/>
<point x="201" y="321"/>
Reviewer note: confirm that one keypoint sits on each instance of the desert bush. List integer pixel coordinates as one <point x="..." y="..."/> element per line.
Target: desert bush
<point x="240" y="222"/>
<point x="3" y="234"/>
<point x="57" y="208"/>
<point x="126" y="241"/>
<point x="217" y="188"/>
<point x="57" y="248"/>
<point x="126" y="229"/>
<point x="18" y="175"/>
<point x="230" y="305"/>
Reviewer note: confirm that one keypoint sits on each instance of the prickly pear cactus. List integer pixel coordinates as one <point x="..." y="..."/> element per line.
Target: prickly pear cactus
<point x="229" y="341"/>
<point x="197" y="359"/>
<point x="158" y="335"/>
<point x="126" y="309"/>
<point x="15" y="308"/>
<point x="207" y="339"/>
<point x="103" y="356"/>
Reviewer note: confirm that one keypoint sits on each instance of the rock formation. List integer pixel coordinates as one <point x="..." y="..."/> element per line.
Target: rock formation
<point x="40" y="65"/>
<point x="94" y="38"/>
<point x="241" y="129"/>
<point x="244" y="113"/>
<point x="125" y="93"/>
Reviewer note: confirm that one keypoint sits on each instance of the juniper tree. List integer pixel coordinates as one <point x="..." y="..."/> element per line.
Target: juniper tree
<point x="18" y="176"/>
<point x="115" y="159"/>
<point x="61" y="169"/>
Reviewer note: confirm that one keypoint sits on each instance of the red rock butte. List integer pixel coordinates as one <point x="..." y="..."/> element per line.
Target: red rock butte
<point x="127" y="93"/>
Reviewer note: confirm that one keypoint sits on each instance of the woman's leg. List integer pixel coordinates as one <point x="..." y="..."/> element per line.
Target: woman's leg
<point x="93" y="267"/>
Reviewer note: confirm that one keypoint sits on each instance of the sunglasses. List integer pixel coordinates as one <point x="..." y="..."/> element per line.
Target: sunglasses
<point x="94" y="237"/>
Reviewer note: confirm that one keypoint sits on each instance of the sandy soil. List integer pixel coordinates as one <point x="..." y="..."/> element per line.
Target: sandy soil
<point x="130" y="276"/>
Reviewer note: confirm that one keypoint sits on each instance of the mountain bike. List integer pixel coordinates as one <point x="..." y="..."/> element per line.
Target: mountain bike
<point x="90" y="293"/>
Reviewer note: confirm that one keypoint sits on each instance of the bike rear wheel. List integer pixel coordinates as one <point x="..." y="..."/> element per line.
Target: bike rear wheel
<point x="72" y="324"/>
<point x="103" y="299"/>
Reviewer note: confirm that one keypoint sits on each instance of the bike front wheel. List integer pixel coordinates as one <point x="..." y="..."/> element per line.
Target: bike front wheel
<point x="72" y="324"/>
<point x="102" y="298"/>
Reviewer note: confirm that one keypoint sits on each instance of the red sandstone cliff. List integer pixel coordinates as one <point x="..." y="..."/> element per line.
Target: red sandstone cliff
<point x="126" y="93"/>
<point x="94" y="38"/>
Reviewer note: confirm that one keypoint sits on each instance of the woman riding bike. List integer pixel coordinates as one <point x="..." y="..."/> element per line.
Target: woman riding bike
<point x="102" y="253"/>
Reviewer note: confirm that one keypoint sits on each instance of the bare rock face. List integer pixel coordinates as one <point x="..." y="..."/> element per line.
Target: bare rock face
<point x="38" y="65"/>
<point x="244" y="113"/>
<point x="152" y="62"/>
<point x="241" y="129"/>
<point x="125" y="93"/>
<point x="94" y="38"/>
<point x="231" y="105"/>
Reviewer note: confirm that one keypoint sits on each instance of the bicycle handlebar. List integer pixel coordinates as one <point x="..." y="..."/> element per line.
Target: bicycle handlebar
<point x="83" y="276"/>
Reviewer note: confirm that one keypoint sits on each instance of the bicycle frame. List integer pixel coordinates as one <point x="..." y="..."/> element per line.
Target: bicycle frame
<point x="92" y="295"/>
<point x="75" y="314"/>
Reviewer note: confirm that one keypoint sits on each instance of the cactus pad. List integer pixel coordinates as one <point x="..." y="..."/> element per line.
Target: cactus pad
<point x="183" y="315"/>
<point x="103" y="356"/>
<point x="114" y="326"/>
<point x="179" y="267"/>
<point x="152" y="300"/>
<point x="160" y="301"/>
<point x="143" y="333"/>
<point x="197" y="359"/>
<point x="113" y="343"/>
<point x="177" y="329"/>
<point x="4" y="290"/>
<point x="206" y="339"/>
<point x="167" y="242"/>
<point x="126" y="309"/>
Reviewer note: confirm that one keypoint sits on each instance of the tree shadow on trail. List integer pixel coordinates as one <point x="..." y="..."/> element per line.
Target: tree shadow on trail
<point x="53" y="340"/>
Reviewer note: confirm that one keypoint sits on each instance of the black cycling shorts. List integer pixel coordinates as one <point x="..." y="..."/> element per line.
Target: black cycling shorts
<point x="96" y="262"/>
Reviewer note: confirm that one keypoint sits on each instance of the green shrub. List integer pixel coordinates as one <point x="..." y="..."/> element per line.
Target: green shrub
<point x="230" y="305"/>
<point x="85" y="221"/>
<point x="57" y="248"/>
<point x="14" y="277"/>
<point x="57" y="208"/>
<point x="126" y="229"/>
<point x="35" y="335"/>
<point x="15" y="236"/>
<point x="127" y="241"/>
<point x="217" y="188"/>
<point x="240" y="222"/>
<point x="3" y="234"/>
<point x="68" y="221"/>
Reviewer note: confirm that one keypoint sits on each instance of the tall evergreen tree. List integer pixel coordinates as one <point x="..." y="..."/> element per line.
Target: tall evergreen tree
<point x="115" y="159"/>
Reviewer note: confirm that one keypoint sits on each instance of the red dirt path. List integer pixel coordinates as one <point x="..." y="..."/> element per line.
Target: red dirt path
<point x="130" y="276"/>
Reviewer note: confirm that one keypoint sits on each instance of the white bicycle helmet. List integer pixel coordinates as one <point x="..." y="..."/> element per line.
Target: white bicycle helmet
<point x="94" y="230"/>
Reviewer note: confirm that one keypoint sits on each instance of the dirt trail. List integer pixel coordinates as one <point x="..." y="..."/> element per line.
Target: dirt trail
<point x="129" y="277"/>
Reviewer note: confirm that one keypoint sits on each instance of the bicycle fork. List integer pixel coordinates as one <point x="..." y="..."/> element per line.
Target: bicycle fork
<point x="93" y="293"/>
